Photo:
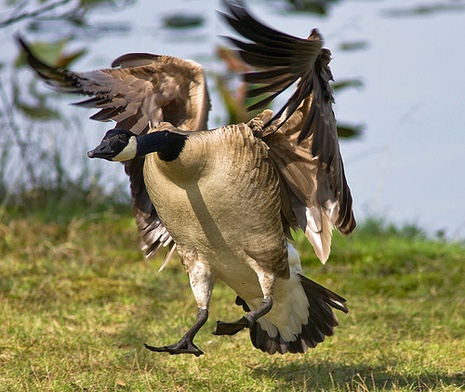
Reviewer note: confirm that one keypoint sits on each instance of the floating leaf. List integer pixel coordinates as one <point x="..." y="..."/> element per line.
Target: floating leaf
<point x="182" y="21"/>
<point x="347" y="83"/>
<point x="101" y="3"/>
<point x="349" y="131"/>
<point x="354" y="45"/>
<point x="422" y="10"/>
<point x="319" y="7"/>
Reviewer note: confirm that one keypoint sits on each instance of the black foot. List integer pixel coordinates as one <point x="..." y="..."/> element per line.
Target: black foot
<point x="185" y="344"/>
<point x="241" y="302"/>
<point x="182" y="347"/>
<point x="223" y="328"/>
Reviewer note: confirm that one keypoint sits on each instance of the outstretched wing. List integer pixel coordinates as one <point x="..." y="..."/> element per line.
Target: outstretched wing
<point x="302" y="135"/>
<point x="145" y="90"/>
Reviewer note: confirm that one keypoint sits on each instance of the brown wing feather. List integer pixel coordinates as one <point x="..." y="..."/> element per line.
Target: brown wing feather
<point x="302" y="134"/>
<point x="146" y="90"/>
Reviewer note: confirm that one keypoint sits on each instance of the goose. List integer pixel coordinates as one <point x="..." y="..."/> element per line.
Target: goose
<point x="227" y="199"/>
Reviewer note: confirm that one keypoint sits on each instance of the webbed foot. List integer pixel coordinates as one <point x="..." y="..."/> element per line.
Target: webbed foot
<point x="223" y="328"/>
<point x="184" y="346"/>
<point x="247" y="321"/>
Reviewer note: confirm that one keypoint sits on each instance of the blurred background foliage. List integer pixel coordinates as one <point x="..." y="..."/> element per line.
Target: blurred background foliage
<point x="27" y="108"/>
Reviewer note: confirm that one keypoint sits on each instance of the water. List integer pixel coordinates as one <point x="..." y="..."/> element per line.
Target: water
<point x="408" y="166"/>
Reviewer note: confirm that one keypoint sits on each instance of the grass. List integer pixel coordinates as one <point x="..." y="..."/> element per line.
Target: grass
<point x="77" y="302"/>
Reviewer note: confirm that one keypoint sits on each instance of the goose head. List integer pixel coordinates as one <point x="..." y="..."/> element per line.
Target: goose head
<point x="123" y="145"/>
<point x="117" y="145"/>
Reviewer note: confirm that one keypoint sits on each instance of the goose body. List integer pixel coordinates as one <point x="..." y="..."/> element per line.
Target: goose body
<point x="222" y="182"/>
<point x="226" y="199"/>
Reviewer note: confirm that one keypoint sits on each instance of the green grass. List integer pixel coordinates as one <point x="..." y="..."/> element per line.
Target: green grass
<point x="77" y="302"/>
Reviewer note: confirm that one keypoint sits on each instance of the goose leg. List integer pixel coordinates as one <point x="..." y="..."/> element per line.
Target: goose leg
<point x="186" y="344"/>
<point x="267" y="281"/>
<point x="224" y="328"/>
<point x="201" y="282"/>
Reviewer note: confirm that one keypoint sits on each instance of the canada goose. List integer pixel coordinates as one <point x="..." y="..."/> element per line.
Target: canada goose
<point x="228" y="197"/>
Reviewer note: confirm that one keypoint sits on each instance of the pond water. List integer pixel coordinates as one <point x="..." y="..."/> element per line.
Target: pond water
<point x="408" y="165"/>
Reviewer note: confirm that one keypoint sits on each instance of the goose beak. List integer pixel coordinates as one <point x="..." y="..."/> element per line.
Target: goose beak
<point x="103" y="150"/>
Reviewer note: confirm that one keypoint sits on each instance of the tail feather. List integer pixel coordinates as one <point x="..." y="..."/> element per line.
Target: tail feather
<point x="320" y="323"/>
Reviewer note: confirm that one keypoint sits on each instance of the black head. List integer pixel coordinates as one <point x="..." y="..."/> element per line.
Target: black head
<point x="113" y="144"/>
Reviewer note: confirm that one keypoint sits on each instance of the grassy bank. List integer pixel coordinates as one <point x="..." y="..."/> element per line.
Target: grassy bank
<point x="78" y="301"/>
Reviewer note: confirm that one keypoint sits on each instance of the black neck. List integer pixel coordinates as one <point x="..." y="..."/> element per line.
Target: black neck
<point x="168" y="144"/>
